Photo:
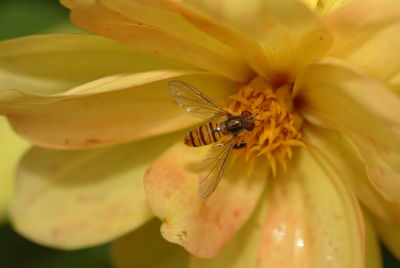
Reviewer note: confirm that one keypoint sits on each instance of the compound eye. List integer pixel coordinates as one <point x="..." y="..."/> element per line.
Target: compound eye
<point x="245" y="114"/>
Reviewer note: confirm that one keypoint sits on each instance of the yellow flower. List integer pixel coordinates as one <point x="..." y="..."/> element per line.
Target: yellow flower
<point x="325" y="77"/>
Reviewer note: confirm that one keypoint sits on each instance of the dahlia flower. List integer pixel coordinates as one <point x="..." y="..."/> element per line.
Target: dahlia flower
<point x="317" y="181"/>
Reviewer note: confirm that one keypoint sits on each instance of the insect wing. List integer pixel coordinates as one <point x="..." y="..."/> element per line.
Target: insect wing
<point x="193" y="101"/>
<point x="214" y="164"/>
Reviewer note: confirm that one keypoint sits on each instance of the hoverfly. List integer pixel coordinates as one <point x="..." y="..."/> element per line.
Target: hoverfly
<point x="221" y="130"/>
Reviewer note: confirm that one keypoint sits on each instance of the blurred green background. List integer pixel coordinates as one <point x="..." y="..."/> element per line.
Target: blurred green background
<point x="25" y="17"/>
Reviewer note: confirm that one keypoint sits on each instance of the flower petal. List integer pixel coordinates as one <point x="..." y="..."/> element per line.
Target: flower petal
<point x="277" y="37"/>
<point x="373" y="249"/>
<point x="202" y="226"/>
<point x="307" y="219"/>
<point x="145" y="247"/>
<point x="51" y="64"/>
<point x="85" y="118"/>
<point x="242" y="250"/>
<point x="12" y="147"/>
<point x="93" y="16"/>
<point x="367" y="35"/>
<point x="313" y="219"/>
<point x="339" y="152"/>
<point x="326" y="6"/>
<point x="75" y="199"/>
<point x="389" y="234"/>
<point x="338" y="97"/>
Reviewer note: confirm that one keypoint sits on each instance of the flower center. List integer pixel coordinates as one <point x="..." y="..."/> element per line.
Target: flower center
<point x="277" y="125"/>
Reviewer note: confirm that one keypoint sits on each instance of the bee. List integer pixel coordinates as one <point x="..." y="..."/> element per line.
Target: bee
<point x="221" y="131"/>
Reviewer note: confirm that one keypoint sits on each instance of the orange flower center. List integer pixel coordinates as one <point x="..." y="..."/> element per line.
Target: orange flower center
<point x="277" y="125"/>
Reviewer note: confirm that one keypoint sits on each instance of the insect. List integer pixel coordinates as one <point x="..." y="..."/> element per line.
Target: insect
<point x="221" y="130"/>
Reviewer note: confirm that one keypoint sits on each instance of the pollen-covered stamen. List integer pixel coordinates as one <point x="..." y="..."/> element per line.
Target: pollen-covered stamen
<point x="277" y="126"/>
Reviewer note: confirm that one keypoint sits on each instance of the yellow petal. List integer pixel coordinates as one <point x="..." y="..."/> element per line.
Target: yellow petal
<point x="85" y="118"/>
<point x="340" y="153"/>
<point x="12" y="147"/>
<point x="242" y="250"/>
<point x="93" y="16"/>
<point x="313" y="219"/>
<point x="361" y="108"/>
<point x="75" y="199"/>
<point x="373" y="250"/>
<point x="51" y="64"/>
<point x="145" y="247"/>
<point x="389" y="233"/>
<point x="307" y="219"/>
<point x="287" y="34"/>
<point x="202" y="226"/>
<point x="367" y="35"/>
<point x="326" y="6"/>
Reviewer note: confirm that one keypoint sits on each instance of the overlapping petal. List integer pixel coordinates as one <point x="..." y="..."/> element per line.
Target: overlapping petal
<point x="12" y="148"/>
<point x="202" y="226"/>
<point x="339" y="152"/>
<point x="372" y="251"/>
<point x="311" y="220"/>
<point x="367" y="35"/>
<point x="389" y="233"/>
<point x="50" y="64"/>
<point x="95" y="17"/>
<point x="341" y="98"/>
<point x="111" y="110"/>
<point x="145" y="247"/>
<point x="73" y="199"/>
<point x="286" y="33"/>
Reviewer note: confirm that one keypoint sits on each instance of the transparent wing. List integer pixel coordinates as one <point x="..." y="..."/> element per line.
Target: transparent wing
<point x="214" y="164"/>
<point x="193" y="101"/>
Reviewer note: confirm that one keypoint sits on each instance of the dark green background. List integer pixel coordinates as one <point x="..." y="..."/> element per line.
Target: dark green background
<point x="20" y="18"/>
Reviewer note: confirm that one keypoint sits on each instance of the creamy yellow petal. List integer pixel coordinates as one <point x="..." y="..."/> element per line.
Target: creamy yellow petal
<point x="75" y="199"/>
<point x="242" y="250"/>
<point x="307" y="219"/>
<point x="202" y="226"/>
<point x="366" y="33"/>
<point x="339" y="152"/>
<point x="95" y="17"/>
<point x="326" y="6"/>
<point x="313" y="219"/>
<point x="50" y="64"/>
<point x="286" y="32"/>
<point x="12" y="148"/>
<point x="389" y="233"/>
<point x="85" y="118"/>
<point x="145" y="247"/>
<point x="366" y="111"/>
<point x="373" y="250"/>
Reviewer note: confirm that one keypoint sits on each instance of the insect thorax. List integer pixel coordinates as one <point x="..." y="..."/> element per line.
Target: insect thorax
<point x="234" y="125"/>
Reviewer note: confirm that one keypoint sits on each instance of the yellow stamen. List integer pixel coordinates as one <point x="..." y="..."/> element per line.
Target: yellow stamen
<point x="277" y="125"/>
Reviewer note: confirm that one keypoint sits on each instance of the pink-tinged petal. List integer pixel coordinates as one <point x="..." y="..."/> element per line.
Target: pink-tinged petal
<point x="373" y="250"/>
<point x="242" y="250"/>
<point x="69" y="60"/>
<point x="365" y="110"/>
<point x="202" y="226"/>
<point x="95" y="17"/>
<point x="341" y="153"/>
<point x="75" y="199"/>
<point x="12" y="148"/>
<point x="389" y="233"/>
<point x="276" y="38"/>
<point x="367" y="35"/>
<point x="313" y="220"/>
<point x="145" y="247"/>
<point x="307" y="218"/>
<point x="130" y="107"/>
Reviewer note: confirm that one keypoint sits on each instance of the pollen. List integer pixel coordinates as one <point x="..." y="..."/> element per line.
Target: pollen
<point x="277" y="125"/>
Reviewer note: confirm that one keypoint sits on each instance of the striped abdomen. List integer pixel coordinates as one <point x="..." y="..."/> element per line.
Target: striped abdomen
<point x="205" y="134"/>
